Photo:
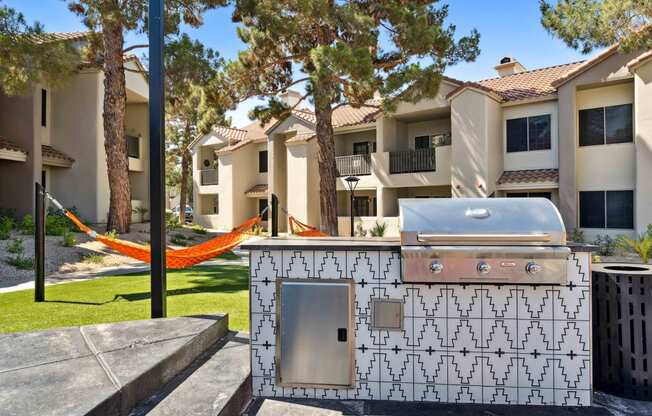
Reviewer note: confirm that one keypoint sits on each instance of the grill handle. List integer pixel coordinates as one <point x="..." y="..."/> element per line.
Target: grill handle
<point x="497" y="238"/>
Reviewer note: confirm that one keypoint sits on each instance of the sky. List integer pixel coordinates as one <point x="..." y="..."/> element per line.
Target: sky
<point x="507" y="28"/>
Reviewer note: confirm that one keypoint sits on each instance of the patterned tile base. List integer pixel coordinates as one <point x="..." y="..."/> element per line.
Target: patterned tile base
<point x="460" y="343"/>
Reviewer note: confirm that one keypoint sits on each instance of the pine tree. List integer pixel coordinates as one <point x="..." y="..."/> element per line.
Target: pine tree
<point x="189" y="67"/>
<point x="590" y="24"/>
<point x="109" y="20"/>
<point x="336" y="46"/>
<point x="28" y="54"/>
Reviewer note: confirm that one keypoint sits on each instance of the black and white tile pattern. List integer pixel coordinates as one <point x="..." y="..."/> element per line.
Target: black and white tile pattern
<point x="460" y="343"/>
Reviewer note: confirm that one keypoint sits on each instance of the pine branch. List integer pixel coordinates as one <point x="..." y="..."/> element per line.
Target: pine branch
<point x="132" y="47"/>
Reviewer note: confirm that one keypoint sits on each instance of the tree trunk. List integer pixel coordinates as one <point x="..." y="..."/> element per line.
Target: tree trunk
<point x="115" y="142"/>
<point x="327" y="166"/>
<point x="186" y="161"/>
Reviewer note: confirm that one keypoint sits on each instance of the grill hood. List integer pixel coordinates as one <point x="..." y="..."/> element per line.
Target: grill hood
<point x="480" y="221"/>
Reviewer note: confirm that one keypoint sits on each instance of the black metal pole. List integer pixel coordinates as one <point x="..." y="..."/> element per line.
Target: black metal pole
<point x="351" y="212"/>
<point x="39" y="243"/>
<point x="274" y="215"/>
<point x="156" y="158"/>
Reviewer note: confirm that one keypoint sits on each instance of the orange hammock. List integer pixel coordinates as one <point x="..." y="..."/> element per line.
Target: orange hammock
<point x="303" y="230"/>
<point x="175" y="259"/>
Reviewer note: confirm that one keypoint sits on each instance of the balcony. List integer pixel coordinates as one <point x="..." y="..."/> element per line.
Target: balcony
<point x="410" y="161"/>
<point x="353" y="165"/>
<point x="209" y="177"/>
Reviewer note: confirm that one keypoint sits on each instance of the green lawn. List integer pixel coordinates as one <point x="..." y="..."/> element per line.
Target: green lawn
<point x="197" y="290"/>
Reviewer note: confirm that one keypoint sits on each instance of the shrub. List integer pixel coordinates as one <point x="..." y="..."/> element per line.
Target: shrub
<point x="198" y="229"/>
<point x="16" y="246"/>
<point x="360" y="231"/>
<point x="6" y="225"/>
<point x="93" y="258"/>
<point x="113" y="234"/>
<point x="179" y="240"/>
<point x="27" y="225"/>
<point x="606" y="245"/>
<point x="577" y="236"/>
<point x="56" y="225"/>
<point x="20" y="262"/>
<point x="68" y="239"/>
<point x="4" y="235"/>
<point x="641" y="245"/>
<point x="378" y="230"/>
<point x="141" y="211"/>
<point x="171" y="220"/>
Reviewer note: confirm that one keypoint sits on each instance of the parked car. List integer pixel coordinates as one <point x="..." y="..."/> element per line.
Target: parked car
<point x="189" y="212"/>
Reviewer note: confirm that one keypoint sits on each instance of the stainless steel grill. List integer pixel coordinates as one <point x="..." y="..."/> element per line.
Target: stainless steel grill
<point x="475" y="240"/>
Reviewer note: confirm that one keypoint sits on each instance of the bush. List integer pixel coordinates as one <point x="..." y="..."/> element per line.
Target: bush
<point x="198" y="229"/>
<point x="606" y="245"/>
<point x="68" y="239"/>
<point x="20" y="262"/>
<point x="378" y="230"/>
<point x="113" y="234"/>
<point x="641" y="245"/>
<point x="171" y="220"/>
<point x="577" y="236"/>
<point x="179" y="240"/>
<point x="6" y="225"/>
<point x="56" y="225"/>
<point x="26" y="226"/>
<point x="16" y="246"/>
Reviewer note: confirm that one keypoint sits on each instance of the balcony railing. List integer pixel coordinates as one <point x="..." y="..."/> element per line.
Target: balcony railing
<point x="353" y="165"/>
<point x="209" y="177"/>
<point x="408" y="161"/>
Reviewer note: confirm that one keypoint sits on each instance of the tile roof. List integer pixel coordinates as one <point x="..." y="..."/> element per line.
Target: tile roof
<point x="46" y="37"/>
<point x="584" y="66"/>
<point x="52" y="153"/>
<point x="257" y="190"/>
<point x="7" y="145"/>
<point x="639" y="60"/>
<point x="230" y="133"/>
<point x="528" y="176"/>
<point x="523" y="85"/>
<point x="301" y="137"/>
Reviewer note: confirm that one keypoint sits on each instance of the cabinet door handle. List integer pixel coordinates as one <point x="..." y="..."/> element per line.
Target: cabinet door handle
<point x="341" y="334"/>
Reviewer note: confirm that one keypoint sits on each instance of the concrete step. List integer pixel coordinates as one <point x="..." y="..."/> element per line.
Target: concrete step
<point x="99" y="369"/>
<point x="218" y="383"/>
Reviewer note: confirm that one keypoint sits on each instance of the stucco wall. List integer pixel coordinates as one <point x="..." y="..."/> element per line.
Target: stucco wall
<point x="137" y="124"/>
<point x="17" y="178"/>
<point x="426" y="128"/>
<point x="78" y="132"/>
<point x="643" y="140"/>
<point x="537" y="159"/>
<point x="344" y="142"/>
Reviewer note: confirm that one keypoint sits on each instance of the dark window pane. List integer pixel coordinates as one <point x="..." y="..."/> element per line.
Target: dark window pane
<point x="262" y="204"/>
<point x="546" y="195"/>
<point x="618" y="121"/>
<point x="517" y="195"/>
<point x="361" y="206"/>
<point x="133" y="147"/>
<point x="592" y="127"/>
<point x="592" y="209"/>
<point x="539" y="132"/>
<point x="620" y="209"/>
<point x="421" y="142"/>
<point x="517" y="135"/>
<point x="361" y="148"/>
<point x="262" y="161"/>
<point x="44" y="108"/>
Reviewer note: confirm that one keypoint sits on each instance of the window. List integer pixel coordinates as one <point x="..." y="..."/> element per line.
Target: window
<point x="216" y="204"/>
<point x="262" y="161"/>
<point x="421" y="142"/>
<point x="361" y="148"/>
<point x="547" y="195"/>
<point x="361" y="206"/>
<point x="44" y="108"/>
<point x="528" y="133"/>
<point x="133" y="147"/>
<point x="605" y="125"/>
<point x="607" y="209"/>
<point x="262" y="204"/>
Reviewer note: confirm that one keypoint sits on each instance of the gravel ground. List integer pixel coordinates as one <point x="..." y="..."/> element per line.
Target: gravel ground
<point x="62" y="260"/>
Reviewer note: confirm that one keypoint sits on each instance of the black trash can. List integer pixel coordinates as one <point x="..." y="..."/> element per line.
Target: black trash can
<point x="622" y="330"/>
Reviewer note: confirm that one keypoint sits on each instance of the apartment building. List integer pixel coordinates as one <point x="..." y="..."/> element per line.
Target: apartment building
<point x="56" y="137"/>
<point x="579" y="134"/>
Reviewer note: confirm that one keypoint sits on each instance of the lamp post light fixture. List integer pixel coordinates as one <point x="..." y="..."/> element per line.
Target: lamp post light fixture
<point x="352" y="183"/>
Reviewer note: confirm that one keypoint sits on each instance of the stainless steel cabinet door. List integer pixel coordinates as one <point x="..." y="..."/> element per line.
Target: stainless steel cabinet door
<point x="314" y="343"/>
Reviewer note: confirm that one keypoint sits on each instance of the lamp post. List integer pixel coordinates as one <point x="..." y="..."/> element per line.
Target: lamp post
<point x="352" y="183"/>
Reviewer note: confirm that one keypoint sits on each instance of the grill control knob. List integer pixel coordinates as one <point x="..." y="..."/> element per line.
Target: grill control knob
<point x="533" y="268"/>
<point x="436" y="267"/>
<point x="484" y="268"/>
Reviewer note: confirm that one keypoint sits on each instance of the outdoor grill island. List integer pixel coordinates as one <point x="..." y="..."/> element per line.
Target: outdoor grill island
<point x="481" y="301"/>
